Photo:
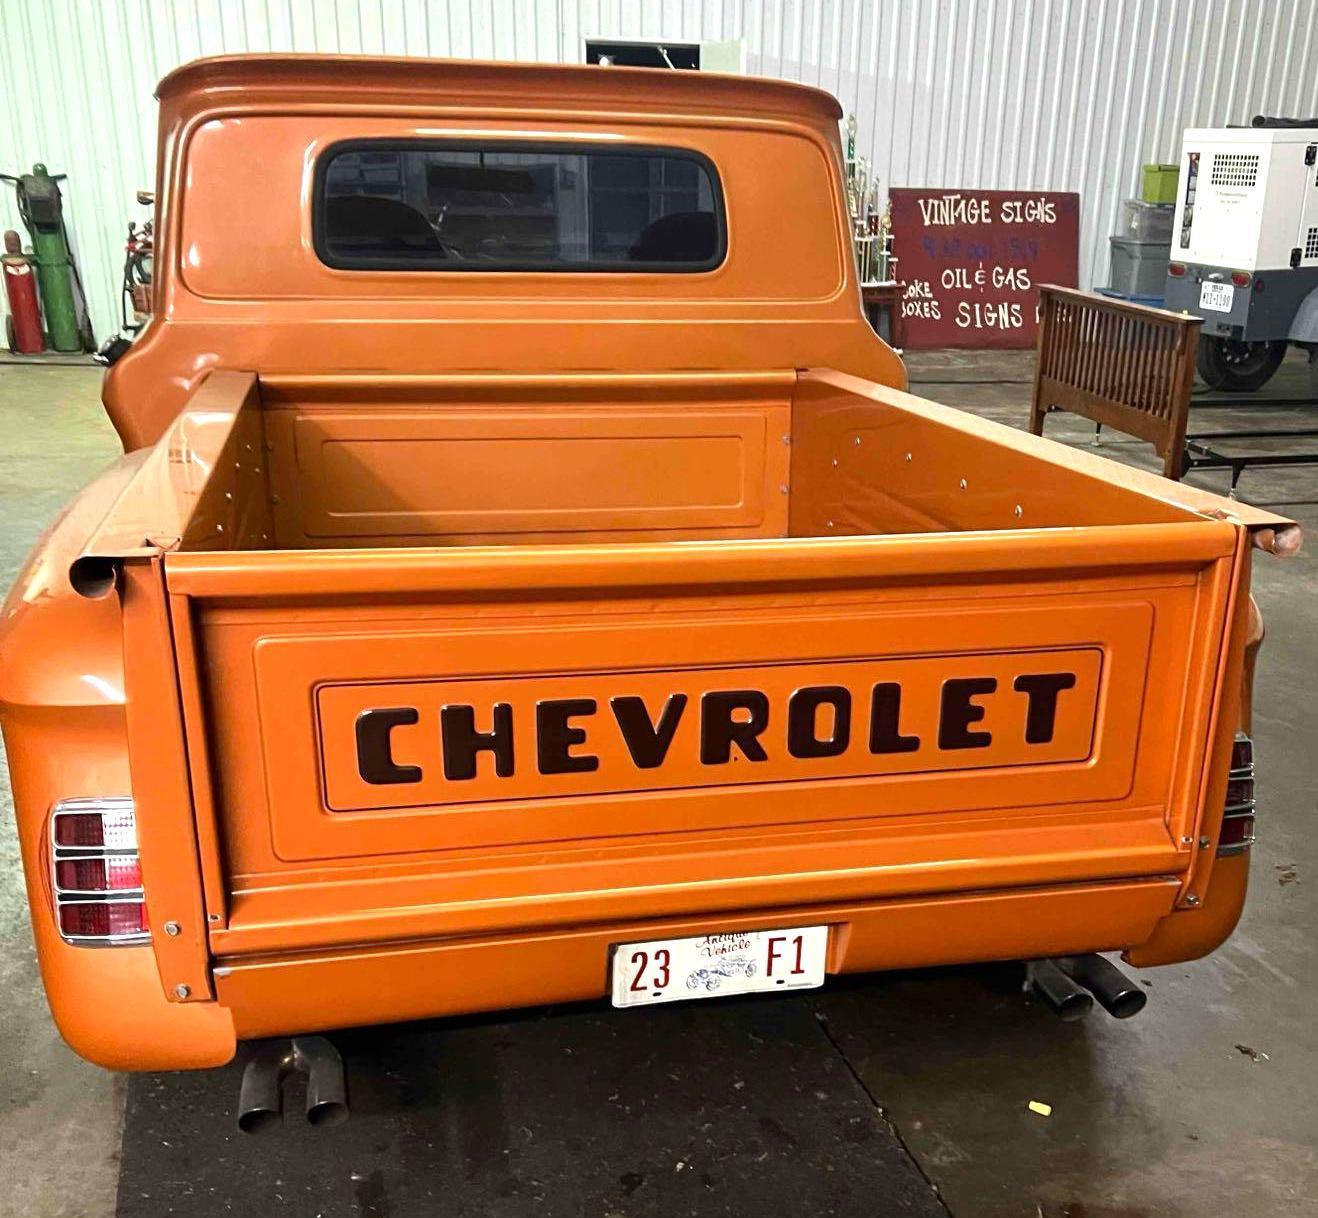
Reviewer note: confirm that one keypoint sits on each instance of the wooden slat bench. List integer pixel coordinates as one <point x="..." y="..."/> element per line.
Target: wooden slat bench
<point x="1121" y="365"/>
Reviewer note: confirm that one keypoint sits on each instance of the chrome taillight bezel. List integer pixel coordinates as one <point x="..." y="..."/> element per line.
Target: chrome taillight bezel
<point x="112" y="806"/>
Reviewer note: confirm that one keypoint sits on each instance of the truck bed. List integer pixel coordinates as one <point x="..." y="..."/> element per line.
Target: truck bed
<point x="656" y="648"/>
<point x="360" y="462"/>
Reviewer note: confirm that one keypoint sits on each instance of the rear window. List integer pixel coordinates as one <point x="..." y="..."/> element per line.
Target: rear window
<point x="446" y="206"/>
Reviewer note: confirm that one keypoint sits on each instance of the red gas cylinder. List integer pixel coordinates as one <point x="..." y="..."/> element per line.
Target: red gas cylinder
<point x="23" y="327"/>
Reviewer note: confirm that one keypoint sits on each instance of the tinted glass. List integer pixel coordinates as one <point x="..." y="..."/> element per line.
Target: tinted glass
<point x="460" y="207"/>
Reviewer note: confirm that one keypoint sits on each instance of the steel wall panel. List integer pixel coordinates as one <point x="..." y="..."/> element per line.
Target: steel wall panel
<point x="1004" y="94"/>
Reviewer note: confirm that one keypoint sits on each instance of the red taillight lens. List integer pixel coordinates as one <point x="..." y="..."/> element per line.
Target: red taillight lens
<point x="104" y="920"/>
<point x="82" y="829"/>
<point x="1176" y="269"/>
<point x="97" y="874"/>
<point x="111" y="828"/>
<point x="114" y="873"/>
<point x="1240" y="279"/>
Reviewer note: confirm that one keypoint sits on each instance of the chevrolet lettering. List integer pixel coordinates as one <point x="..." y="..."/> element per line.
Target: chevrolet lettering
<point x="726" y="726"/>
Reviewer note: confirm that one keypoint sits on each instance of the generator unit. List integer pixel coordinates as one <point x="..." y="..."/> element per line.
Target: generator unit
<point x="1244" y="253"/>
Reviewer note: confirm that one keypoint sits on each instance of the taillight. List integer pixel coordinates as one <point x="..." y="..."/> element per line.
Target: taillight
<point x="1237" y="832"/>
<point x="1176" y="269"/>
<point x="97" y="872"/>
<point x="110" y="825"/>
<point x="103" y="921"/>
<point x="114" y="873"/>
<point x="1240" y="278"/>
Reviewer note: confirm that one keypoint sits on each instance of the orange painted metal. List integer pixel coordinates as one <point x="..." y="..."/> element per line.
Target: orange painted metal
<point x="618" y="497"/>
<point x="473" y="460"/>
<point x="159" y="781"/>
<point x="360" y="985"/>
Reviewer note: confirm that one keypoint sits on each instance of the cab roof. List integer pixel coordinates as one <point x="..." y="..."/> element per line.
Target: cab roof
<point x="484" y="85"/>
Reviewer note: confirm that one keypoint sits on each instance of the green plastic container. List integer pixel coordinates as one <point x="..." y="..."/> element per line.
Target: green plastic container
<point x="1160" y="183"/>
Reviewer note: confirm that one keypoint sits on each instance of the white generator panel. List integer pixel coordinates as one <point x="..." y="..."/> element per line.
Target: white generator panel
<point x="1247" y="198"/>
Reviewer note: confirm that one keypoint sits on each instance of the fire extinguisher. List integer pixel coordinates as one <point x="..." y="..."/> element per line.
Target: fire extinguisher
<point x="23" y="325"/>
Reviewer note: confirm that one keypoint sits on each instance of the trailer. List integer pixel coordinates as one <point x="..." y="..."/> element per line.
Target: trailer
<point x="1245" y="247"/>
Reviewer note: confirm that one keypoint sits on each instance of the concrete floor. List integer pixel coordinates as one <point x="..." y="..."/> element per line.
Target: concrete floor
<point x="1165" y="1115"/>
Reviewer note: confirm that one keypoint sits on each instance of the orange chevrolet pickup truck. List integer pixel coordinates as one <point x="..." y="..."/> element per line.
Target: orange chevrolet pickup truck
<point x="527" y="580"/>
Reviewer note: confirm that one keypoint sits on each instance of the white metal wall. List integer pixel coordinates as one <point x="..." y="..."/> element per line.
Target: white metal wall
<point x="1028" y="94"/>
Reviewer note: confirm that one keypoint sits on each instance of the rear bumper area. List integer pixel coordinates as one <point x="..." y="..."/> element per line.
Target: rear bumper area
<point x="284" y="994"/>
<point x="1262" y="312"/>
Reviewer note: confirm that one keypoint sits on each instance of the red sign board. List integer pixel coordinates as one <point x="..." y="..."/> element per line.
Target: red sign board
<point x="971" y="262"/>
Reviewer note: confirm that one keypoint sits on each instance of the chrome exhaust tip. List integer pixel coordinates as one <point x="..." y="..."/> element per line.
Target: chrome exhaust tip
<point x="1068" y="1001"/>
<point x="327" y="1088"/>
<point x="261" y="1094"/>
<point x="1117" y="994"/>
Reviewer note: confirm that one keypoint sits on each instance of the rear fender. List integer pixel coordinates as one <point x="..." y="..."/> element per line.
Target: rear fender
<point x="62" y="713"/>
<point x="1188" y="934"/>
<point x="1304" y="328"/>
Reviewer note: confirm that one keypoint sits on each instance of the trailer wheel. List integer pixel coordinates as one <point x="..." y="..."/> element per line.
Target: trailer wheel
<point x="1237" y="367"/>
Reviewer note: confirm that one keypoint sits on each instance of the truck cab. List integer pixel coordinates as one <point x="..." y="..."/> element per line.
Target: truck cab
<point x="527" y="580"/>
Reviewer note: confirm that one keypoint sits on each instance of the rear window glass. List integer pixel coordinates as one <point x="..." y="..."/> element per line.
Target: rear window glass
<point x="443" y="206"/>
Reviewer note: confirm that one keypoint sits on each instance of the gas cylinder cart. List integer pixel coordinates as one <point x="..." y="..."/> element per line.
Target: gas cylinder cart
<point x="63" y="301"/>
<point x="1245" y="247"/>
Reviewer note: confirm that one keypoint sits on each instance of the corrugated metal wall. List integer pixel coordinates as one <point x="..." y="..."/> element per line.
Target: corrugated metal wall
<point x="1046" y="94"/>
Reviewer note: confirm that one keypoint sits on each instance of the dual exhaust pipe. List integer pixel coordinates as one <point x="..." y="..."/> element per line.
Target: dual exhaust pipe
<point x="1069" y="985"/>
<point x="261" y="1096"/>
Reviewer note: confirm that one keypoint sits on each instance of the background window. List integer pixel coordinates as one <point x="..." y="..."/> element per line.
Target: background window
<point x="458" y="207"/>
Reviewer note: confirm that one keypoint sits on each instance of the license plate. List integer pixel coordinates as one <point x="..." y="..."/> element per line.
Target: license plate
<point x="713" y="966"/>
<point x="1217" y="296"/>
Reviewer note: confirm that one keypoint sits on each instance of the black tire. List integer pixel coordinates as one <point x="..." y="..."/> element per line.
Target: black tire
<point x="1237" y="367"/>
<point x="1313" y="371"/>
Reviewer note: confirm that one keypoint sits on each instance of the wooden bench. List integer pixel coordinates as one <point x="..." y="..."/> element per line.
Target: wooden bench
<point x="1121" y="365"/>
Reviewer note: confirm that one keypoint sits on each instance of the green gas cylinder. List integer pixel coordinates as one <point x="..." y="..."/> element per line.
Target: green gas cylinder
<point x="40" y="206"/>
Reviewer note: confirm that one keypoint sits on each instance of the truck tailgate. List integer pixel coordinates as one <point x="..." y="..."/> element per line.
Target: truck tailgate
<point x="399" y="744"/>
